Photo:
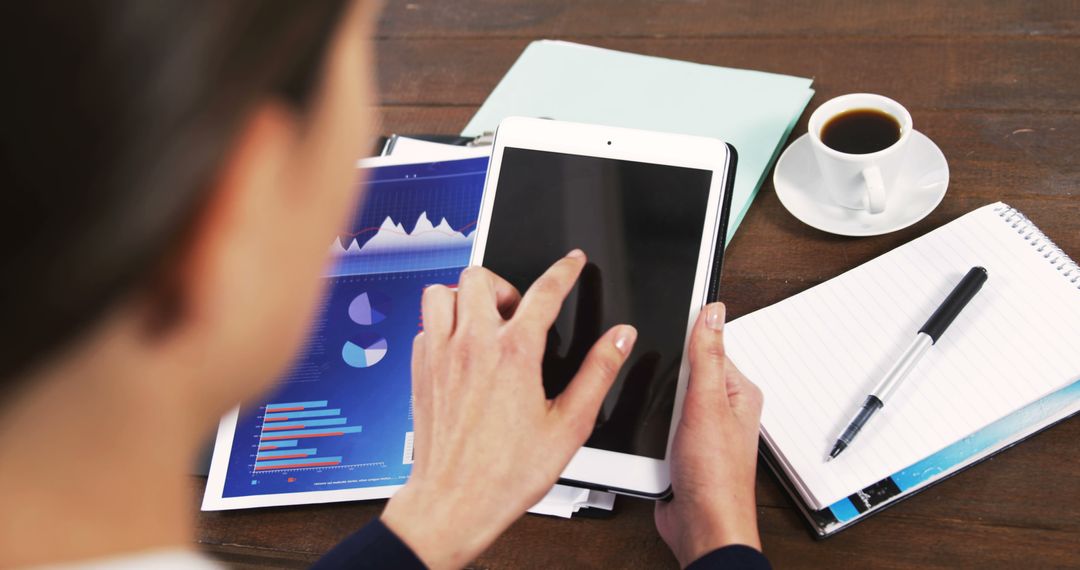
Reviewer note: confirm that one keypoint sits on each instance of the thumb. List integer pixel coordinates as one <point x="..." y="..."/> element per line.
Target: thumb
<point x="707" y="389"/>
<point x="580" y="401"/>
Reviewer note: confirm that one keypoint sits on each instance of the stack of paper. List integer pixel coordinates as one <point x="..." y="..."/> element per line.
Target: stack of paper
<point x="338" y="427"/>
<point x="564" y="501"/>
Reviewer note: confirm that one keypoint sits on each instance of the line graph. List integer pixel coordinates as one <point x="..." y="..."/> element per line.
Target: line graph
<point x="393" y="236"/>
<point x="392" y="248"/>
<point x="466" y="229"/>
<point x="412" y="218"/>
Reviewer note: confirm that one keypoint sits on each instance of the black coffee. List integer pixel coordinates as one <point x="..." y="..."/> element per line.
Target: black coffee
<point x="860" y="131"/>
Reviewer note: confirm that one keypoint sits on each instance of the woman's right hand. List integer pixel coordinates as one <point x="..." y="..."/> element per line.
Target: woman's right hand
<point x="489" y="443"/>
<point x="714" y="455"/>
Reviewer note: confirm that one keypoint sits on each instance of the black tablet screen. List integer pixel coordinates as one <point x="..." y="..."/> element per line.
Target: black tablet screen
<point x="640" y="225"/>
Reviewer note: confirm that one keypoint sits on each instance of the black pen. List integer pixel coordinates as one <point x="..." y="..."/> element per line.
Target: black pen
<point x="927" y="336"/>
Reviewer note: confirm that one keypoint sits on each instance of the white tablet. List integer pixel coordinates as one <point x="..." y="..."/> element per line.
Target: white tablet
<point x="650" y="211"/>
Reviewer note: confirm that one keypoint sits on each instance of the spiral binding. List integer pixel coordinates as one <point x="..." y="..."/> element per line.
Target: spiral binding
<point x="1042" y="244"/>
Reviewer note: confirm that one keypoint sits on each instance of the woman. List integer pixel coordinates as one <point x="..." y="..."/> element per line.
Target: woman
<point x="170" y="167"/>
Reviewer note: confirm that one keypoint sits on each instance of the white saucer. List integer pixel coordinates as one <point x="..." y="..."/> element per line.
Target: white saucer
<point x="919" y="190"/>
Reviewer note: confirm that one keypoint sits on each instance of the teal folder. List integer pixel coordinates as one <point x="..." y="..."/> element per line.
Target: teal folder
<point x="752" y="110"/>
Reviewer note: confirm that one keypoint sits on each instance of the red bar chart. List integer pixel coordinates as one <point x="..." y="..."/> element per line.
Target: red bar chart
<point x="288" y="428"/>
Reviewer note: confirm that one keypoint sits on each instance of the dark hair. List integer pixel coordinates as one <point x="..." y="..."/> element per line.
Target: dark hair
<point x="115" y="114"/>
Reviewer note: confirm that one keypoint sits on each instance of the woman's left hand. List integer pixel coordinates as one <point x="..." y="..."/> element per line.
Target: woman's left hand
<point x="488" y="443"/>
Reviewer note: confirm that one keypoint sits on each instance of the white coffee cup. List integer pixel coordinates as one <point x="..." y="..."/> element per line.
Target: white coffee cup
<point x="860" y="181"/>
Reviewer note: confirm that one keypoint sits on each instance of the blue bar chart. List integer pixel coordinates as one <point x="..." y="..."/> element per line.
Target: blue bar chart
<point x="286" y="425"/>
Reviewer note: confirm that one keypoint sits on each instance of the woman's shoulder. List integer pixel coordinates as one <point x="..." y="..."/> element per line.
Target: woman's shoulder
<point x="166" y="559"/>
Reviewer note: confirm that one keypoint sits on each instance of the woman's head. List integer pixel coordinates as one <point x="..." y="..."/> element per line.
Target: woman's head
<point x="172" y="170"/>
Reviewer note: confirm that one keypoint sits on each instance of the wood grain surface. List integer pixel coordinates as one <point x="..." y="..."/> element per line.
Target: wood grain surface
<point x="995" y="84"/>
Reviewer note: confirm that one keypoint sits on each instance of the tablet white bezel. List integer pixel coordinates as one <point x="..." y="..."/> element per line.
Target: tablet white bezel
<point x="620" y="472"/>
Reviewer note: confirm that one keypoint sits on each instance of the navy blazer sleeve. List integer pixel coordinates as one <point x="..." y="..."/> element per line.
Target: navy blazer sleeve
<point x="734" y="557"/>
<point x="375" y="547"/>
<point x="371" y="548"/>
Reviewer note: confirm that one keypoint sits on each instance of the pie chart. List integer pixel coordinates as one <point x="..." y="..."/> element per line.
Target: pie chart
<point x="364" y="351"/>
<point x="369" y="308"/>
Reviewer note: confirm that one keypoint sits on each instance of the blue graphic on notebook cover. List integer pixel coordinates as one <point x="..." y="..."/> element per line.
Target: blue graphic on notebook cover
<point x="1000" y="433"/>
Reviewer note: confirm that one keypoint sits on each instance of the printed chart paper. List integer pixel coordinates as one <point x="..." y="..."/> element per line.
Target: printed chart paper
<point x="339" y="425"/>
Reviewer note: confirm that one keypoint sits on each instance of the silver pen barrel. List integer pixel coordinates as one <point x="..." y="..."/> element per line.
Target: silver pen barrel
<point x="902" y="367"/>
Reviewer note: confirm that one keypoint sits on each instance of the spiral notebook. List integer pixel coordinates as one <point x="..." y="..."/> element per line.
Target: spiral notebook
<point x="817" y="354"/>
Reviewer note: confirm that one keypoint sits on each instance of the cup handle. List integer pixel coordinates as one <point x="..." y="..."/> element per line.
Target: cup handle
<point x="875" y="189"/>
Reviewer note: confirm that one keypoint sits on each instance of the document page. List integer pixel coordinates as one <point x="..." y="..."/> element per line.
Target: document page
<point x="339" y="425"/>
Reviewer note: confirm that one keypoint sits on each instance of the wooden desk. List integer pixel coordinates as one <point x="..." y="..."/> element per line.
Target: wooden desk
<point x="997" y="86"/>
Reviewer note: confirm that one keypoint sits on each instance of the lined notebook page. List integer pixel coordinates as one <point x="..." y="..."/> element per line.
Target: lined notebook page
<point x="818" y="354"/>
